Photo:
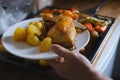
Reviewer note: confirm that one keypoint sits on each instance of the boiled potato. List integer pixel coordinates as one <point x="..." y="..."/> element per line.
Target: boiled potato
<point x="33" y="40"/>
<point x="38" y="24"/>
<point x="32" y="29"/>
<point x="20" y="34"/>
<point x="43" y="62"/>
<point x="45" y="44"/>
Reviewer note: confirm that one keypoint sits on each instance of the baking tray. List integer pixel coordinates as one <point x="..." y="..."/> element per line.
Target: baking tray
<point x="89" y="52"/>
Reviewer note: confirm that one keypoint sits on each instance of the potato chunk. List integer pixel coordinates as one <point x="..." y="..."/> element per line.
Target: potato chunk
<point x="45" y="44"/>
<point x="20" y="34"/>
<point x="33" y="40"/>
<point x="32" y="29"/>
<point x="38" y="25"/>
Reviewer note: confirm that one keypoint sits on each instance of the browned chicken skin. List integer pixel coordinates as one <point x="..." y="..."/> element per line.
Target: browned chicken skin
<point x="63" y="32"/>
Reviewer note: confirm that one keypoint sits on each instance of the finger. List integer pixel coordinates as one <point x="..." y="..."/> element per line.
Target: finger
<point x="60" y="60"/>
<point x="54" y="63"/>
<point x="61" y="51"/>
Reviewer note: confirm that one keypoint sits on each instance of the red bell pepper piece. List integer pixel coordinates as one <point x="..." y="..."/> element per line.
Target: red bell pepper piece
<point x="89" y="27"/>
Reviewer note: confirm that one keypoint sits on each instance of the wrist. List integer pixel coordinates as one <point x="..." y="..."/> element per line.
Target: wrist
<point x="95" y="75"/>
<point x="89" y="74"/>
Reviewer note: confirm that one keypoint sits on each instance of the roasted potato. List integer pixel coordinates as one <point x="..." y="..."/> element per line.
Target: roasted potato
<point x="32" y="29"/>
<point x="20" y="34"/>
<point x="33" y="40"/>
<point x="45" y="44"/>
<point x="38" y="25"/>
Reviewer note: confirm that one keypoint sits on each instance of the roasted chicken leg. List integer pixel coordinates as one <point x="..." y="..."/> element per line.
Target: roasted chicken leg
<point x="63" y="32"/>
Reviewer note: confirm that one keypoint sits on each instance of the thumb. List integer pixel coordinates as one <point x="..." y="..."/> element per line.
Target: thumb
<point x="61" y="51"/>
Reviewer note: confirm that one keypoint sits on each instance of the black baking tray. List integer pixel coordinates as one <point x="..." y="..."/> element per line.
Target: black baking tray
<point x="90" y="50"/>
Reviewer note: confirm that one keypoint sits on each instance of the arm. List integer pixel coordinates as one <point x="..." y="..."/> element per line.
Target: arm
<point x="74" y="66"/>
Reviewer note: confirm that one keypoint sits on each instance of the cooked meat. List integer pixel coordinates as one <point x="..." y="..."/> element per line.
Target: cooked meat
<point x="63" y="32"/>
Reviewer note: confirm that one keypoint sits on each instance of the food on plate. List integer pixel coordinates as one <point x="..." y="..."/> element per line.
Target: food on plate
<point x="31" y="29"/>
<point x="63" y="32"/>
<point x="38" y="24"/>
<point x="33" y="40"/>
<point x="20" y="34"/>
<point x="34" y="28"/>
<point x="45" y="44"/>
<point x="59" y="24"/>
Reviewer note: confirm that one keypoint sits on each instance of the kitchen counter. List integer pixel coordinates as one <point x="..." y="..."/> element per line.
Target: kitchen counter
<point x="112" y="9"/>
<point x="10" y="71"/>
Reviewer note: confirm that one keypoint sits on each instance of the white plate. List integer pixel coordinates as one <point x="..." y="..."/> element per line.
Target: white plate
<point x="24" y="50"/>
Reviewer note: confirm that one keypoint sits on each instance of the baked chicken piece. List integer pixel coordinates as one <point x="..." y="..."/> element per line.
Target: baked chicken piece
<point x="63" y="32"/>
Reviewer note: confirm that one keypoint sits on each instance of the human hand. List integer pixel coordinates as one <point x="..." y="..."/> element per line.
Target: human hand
<point x="73" y="65"/>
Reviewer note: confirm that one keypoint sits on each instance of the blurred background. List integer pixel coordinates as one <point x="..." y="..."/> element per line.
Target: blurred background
<point x="13" y="11"/>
